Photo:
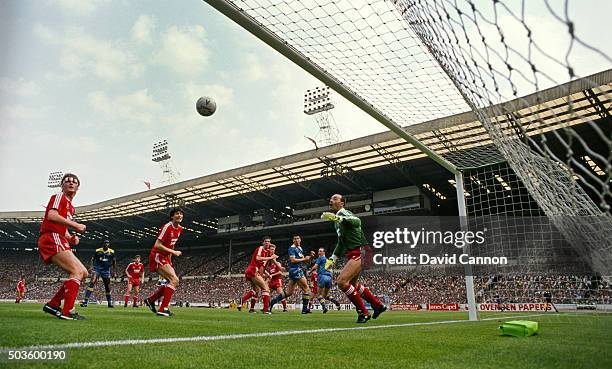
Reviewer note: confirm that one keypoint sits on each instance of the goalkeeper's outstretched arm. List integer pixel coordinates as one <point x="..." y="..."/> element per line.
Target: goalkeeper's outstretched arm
<point x="349" y="220"/>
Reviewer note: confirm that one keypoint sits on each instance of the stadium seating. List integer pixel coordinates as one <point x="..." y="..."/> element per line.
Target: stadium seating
<point x="205" y="279"/>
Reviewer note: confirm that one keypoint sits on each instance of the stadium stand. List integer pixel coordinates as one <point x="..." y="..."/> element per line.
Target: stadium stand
<point x="200" y="283"/>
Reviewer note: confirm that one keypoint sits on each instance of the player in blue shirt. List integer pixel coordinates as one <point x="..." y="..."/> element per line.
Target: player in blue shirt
<point x="324" y="281"/>
<point x="296" y="275"/>
<point x="102" y="262"/>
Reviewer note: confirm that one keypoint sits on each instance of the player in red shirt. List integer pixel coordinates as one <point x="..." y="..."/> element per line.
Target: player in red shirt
<point x="314" y="287"/>
<point x="54" y="246"/>
<point x="254" y="274"/>
<point x="21" y="287"/>
<point x="160" y="261"/>
<point x="135" y="275"/>
<point x="274" y="273"/>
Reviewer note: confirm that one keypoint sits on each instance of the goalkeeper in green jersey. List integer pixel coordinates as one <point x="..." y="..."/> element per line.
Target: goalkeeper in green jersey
<point x="350" y="241"/>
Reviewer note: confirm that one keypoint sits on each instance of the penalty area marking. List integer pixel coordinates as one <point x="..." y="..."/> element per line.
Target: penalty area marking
<point x="76" y="345"/>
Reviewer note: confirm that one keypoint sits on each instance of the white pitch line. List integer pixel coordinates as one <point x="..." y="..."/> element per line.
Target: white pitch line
<point x="239" y="336"/>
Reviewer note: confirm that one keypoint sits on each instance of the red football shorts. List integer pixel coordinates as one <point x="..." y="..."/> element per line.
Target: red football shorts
<point x="134" y="281"/>
<point x="51" y="243"/>
<point x="354" y="254"/>
<point x="156" y="260"/>
<point x="276" y="283"/>
<point x="250" y="273"/>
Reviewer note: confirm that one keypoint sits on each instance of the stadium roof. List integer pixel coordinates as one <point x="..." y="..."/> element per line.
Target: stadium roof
<point x="357" y="166"/>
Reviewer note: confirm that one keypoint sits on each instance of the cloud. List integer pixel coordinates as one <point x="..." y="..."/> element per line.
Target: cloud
<point x="183" y="50"/>
<point x="106" y="59"/>
<point x="87" y="144"/>
<point x="78" y="7"/>
<point x="17" y="112"/>
<point x="46" y="34"/>
<point x="143" y="28"/>
<point x="19" y="87"/>
<point x="83" y="54"/>
<point x="253" y="69"/>
<point x="138" y="107"/>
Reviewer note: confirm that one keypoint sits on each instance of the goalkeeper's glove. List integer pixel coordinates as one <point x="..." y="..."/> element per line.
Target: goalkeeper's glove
<point x="330" y="262"/>
<point x="331" y="217"/>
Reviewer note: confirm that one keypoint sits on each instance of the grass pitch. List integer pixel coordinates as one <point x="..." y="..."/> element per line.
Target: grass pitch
<point x="434" y="340"/>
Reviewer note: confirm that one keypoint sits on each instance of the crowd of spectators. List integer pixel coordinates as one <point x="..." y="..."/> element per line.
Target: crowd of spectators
<point x="205" y="278"/>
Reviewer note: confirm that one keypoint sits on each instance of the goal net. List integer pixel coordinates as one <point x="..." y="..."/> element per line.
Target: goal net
<point x="541" y="141"/>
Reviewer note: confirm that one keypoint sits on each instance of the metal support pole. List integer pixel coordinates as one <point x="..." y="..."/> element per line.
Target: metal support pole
<point x="469" y="275"/>
<point x="229" y="259"/>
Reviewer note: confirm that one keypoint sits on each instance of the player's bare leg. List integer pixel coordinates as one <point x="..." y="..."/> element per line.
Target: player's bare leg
<point x="290" y="289"/>
<point x="167" y="272"/>
<point x="70" y="289"/>
<point x="107" y="291"/>
<point x="346" y="279"/>
<point x="126" y="298"/>
<point x="90" y="288"/>
<point x="151" y="300"/>
<point x="249" y="295"/>
<point x="324" y="293"/>
<point x="284" y="293"/>
<point x="136" y="295"/>
<point x="254" y="293"/>
<point x="322" y="297"/>
<point x="260" y="284"/>
<point x="279" y="290"/>
<point x="288" y="292"/>
<point x="303" y="283"/>
<point x="365" y="294"/>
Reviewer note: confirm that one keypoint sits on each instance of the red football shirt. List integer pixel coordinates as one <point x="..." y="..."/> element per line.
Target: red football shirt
<point x="64" y="207"/>
<point x="168" y="235"/>
<point x="314" y="278"/>
<point x="274" y="268"/>
<point x="259" y="264"/>
<point x="135" y="270"/>
<point x="21" y="285"/>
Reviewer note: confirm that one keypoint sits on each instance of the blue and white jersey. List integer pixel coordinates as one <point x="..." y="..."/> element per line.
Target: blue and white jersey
<point x="321" y="271"/>
<point x="103" y="259"/>
<point x="296" y="252"/>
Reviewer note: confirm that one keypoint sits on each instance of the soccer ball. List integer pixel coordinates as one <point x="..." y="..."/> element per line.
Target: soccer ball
<point x="206" y="106"/>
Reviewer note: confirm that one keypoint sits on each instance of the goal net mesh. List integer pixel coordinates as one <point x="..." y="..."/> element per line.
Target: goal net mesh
<point x="542" y="145"/>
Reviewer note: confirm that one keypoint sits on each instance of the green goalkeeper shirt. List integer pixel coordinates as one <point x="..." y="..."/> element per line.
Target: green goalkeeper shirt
<point x="350" y="234"/>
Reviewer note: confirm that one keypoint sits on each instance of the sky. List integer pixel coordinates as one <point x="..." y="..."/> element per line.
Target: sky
<point x="88" y="86"/>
